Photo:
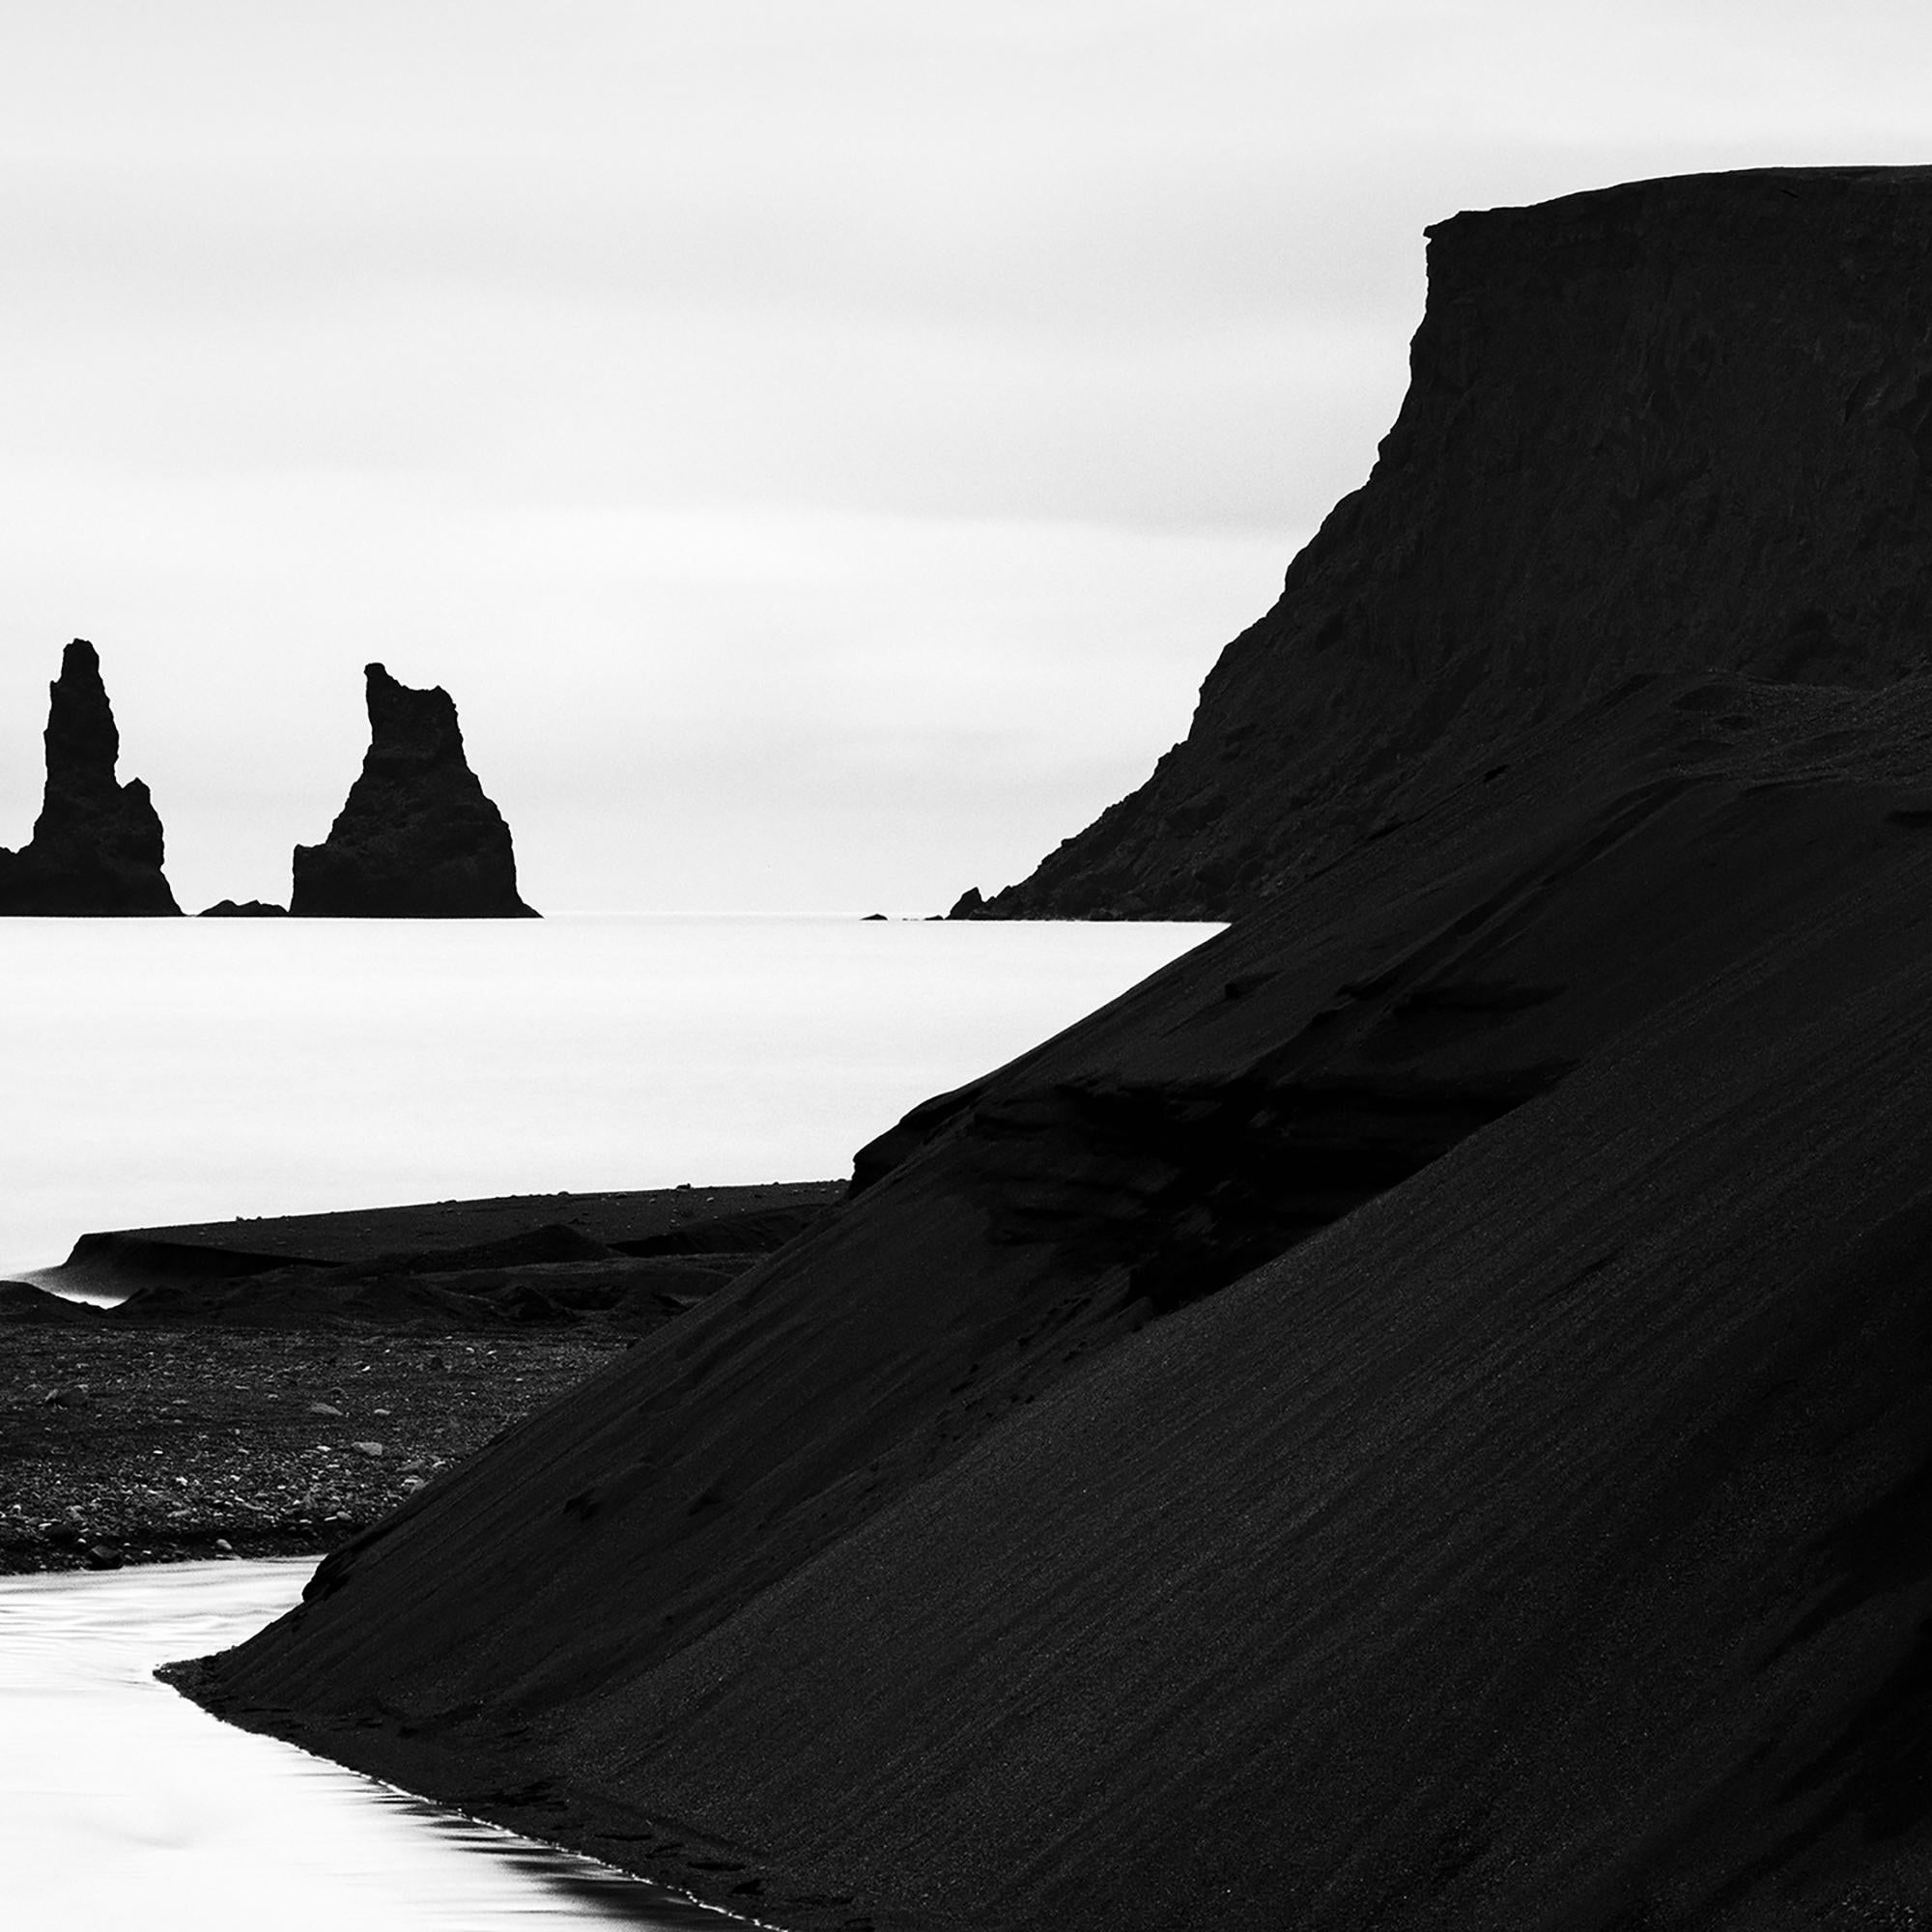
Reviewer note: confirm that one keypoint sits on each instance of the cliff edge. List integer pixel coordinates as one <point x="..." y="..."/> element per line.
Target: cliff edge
<point x="1412" y="1417"/>
<point x="1672" y="426"/>
<point x="417" y="837"/>
<point x="96" y="847"/>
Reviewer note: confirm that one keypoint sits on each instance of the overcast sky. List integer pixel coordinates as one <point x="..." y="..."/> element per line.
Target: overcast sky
<point x="821" y="444"/>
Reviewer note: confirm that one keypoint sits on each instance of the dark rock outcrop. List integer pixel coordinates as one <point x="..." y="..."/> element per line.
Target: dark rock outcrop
<point x="651" y="1255"/>
<point x="1409" y="1418"/>
<point x="96" y="847"/>
<point x="1671" y="426"/>
<point x="417" y="837"/>
<point x="245" y="909"/>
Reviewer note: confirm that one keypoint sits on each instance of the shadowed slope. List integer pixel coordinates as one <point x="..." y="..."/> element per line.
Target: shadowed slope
<point x="1504" y="1558"/>
<point x="1663" y="427"/>
<point x="1026" y="1548"/>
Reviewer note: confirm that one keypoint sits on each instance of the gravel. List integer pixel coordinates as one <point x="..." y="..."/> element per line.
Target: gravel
<point x="147" y="1443"/>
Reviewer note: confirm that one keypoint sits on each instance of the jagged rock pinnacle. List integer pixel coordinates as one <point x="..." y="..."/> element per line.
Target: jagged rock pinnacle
<point x="96" y="847"/>
<point x="416" y="838"/>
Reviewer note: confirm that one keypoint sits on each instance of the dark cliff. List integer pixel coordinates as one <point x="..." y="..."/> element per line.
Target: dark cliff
<point x="1409" y="1419"/>
<point x="1671" y="426"/>
<point x="96" y="847"/>
<point x="417" y="837"/>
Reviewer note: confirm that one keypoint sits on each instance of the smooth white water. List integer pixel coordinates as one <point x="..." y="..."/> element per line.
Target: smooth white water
<point x="122" y="1804"/>
<point x="167" y="1070"/>
<point x="177" y="1071"/>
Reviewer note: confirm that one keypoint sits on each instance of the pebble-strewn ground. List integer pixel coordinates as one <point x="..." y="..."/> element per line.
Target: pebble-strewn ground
<point x="141" y="1444"/>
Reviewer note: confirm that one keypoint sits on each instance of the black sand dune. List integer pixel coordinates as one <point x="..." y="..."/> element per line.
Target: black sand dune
<point x="1539" y="1538"/>
<point x="1413" y="1417"/>
<point x="428" y="1235"/>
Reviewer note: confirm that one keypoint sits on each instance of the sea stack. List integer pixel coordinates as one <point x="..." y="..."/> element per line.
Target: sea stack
<point x="96" y="847"/>
<point x="416" y="838"/>
<point x="1672" y="426"/>
<point x="1411" y="1419"/>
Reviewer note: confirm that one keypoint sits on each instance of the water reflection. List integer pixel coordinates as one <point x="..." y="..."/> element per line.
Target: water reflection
<point x="596" y="1895"/>
<point x="121" y="1800"/>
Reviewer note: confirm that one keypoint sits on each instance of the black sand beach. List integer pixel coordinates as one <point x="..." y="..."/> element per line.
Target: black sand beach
<point x="271" y="1387"/>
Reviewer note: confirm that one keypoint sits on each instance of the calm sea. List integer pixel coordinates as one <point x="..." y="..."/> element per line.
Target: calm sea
<point x="125" y="1809"/>
<point x="165" y="1071"/>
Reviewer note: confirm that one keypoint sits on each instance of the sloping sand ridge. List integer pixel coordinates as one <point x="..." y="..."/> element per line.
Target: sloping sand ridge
<point x="1412" y="1417"/>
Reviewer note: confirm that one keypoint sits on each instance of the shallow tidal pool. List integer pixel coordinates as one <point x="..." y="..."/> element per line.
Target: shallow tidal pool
<point x="122" y="1804"/>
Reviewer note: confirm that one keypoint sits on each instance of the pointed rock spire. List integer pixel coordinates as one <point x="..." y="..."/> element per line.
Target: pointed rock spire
<point x="417" y="837"/>
<point x="97" y="846"/>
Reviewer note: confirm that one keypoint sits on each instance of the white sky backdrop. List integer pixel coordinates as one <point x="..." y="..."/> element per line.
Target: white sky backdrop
<point x="820" y="443"/>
